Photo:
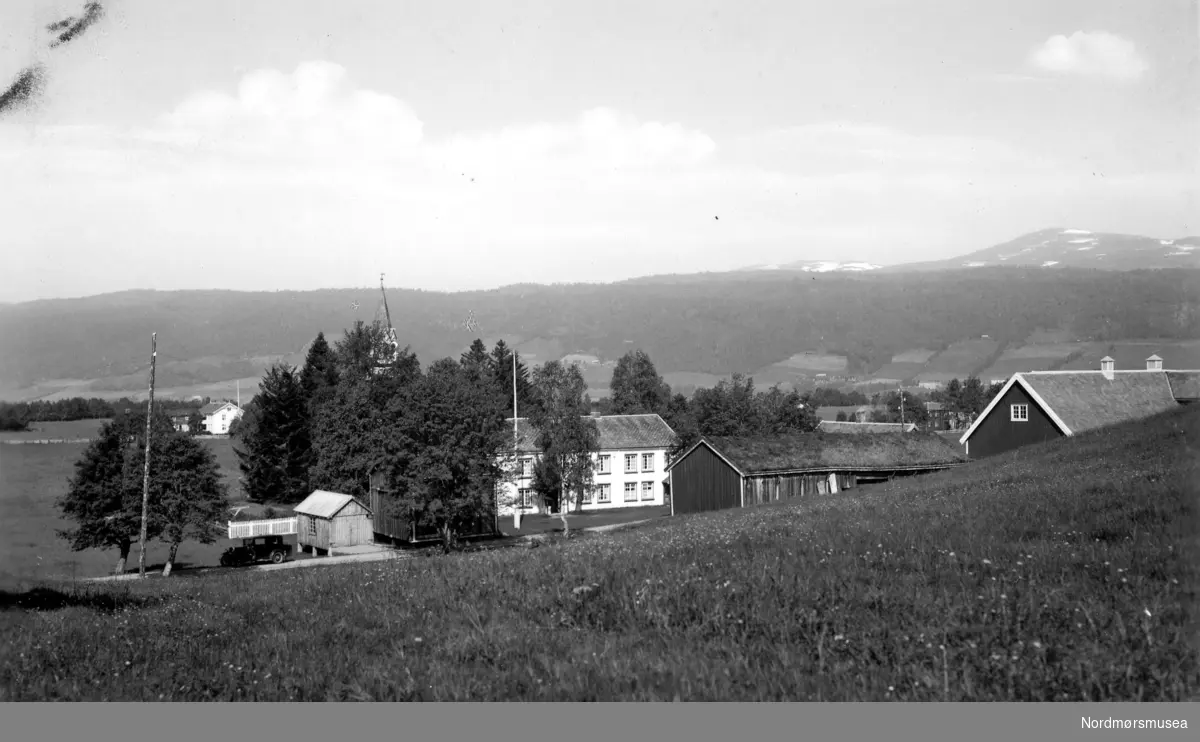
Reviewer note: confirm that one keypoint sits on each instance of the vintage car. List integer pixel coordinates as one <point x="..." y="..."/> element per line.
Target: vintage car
<point x="257" y="549"/>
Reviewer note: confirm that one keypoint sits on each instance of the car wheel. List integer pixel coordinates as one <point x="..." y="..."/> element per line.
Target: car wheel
<point x="277" y="557"/>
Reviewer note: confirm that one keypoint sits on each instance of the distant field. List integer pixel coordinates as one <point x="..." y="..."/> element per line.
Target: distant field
<point x="960" y="359"/>
<point x="919" y="355"/>
<point x="1043" y="350"/>
<point x="815" y="363"/>
<point x="67" y="388"/>
<point x="52" y="429"/>
<point x="899" y="370"/>
<point x="691" y="379"/>
<point x="32" y="477"/>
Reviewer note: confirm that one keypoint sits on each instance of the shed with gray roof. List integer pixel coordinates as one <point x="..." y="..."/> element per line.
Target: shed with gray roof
<point x="328" y="520"/>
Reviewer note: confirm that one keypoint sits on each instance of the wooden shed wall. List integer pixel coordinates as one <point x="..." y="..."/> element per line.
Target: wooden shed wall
<point x="312" y="531"/>
<point x="387" y="523"/>
<point x="703" y="481"/>
<point x="762" y="489"/>
<point x="351" y="526"/>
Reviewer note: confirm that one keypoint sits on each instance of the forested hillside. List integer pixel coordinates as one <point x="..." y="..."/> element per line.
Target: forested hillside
<point x="714" y="323"/>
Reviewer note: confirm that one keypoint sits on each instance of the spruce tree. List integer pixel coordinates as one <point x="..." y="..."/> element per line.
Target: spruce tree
<point x="276" y="450"/>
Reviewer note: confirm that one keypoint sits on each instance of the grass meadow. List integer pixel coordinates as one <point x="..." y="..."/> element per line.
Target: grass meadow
<point x="33" y="476"/>
<point x="1065" y="572"/>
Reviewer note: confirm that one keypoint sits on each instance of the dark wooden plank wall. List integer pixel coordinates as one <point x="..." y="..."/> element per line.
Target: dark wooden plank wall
<point x="998" y="433"/>
<point x="703" y="481"/>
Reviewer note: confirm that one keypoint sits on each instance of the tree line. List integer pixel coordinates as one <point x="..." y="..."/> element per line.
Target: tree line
<point x="18" y="415"/>
<point x="442" y="437"/>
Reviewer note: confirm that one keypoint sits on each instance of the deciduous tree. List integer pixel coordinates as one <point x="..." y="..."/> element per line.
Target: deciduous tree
<point x="637" y="387"/>
<point x="190" y="497"/>
<point x="455" y="432"/>
<point x="567" y="435"/>
<point x="104" y="498"/>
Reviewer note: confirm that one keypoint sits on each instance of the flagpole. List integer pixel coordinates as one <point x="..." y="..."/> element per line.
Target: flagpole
<point x="516" y="447"/>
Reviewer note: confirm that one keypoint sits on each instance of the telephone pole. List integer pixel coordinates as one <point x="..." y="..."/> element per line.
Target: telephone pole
<point x="146" y="472"/>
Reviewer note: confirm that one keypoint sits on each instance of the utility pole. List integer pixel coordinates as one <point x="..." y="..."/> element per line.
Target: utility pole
<point x="901" y="408"/>
<point x="146" y="472"/>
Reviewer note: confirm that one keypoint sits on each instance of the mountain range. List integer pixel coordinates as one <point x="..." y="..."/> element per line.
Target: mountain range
<point x="787" y="325"/>
<point x="1048" y="248"/>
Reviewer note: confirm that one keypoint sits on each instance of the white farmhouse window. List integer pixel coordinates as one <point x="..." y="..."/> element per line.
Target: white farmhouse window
<point x="647" y="462"/>
<point x="647" y="490"/>
<point x="588" y="494"/>
<point x="526" y="467"/>
<point x="604" y="464"/>
<point x="604" y="494"/>
<point x="524" y="498"/>
<point x="631" y="463"/>
<point x="1019" y="413"/>
<point x="631" y="492"/>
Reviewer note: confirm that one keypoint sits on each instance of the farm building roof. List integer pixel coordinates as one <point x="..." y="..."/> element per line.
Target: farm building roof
<point x="831" y="412"/>
<point x="820" y="452"/>
<point x="322" y="504"/>
<point x="617" y="432"/>
<point x="212" y="407"/>
<point x="1185" y="385"/>
<point x="834" y="426"/>
<point x="1087" y="399"/>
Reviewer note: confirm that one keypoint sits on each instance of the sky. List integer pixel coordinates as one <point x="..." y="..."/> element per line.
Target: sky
<point x="467" y="145"/>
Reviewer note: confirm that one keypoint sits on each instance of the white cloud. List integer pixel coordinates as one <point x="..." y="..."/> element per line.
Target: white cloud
<point x="309" y="114"/>
<point x="347" y="182"/>
<point x="1091" y="54"/>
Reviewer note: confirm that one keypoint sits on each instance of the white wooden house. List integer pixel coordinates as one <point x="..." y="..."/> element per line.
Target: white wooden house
<point x="630" y="465"/>
<point x="218" y="416"/>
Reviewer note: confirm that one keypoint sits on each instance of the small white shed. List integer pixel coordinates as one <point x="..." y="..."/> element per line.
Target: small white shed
<point x="327" y="520"/>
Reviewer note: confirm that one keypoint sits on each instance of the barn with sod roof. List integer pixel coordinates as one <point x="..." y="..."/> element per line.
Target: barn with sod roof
<point x="1042" y="406"/>
<point x="718" y="473"/>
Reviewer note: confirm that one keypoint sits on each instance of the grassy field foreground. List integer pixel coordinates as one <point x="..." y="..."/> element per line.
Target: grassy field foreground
<point x="1064" y="572"/>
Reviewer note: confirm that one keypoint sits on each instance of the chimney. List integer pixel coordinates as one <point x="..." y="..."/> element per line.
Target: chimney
<point x="1106" y="367"/>
<point x="1154" y="363"/>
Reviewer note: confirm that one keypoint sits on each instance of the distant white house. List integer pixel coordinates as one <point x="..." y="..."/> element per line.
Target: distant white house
<point x="630" y="465"/>
<point x="218" y="416"/>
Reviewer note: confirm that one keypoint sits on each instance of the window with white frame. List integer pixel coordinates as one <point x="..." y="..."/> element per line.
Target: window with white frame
<point x="604" y="493"/>
<point x="647" y="462"/>
<point x="525" y="498"/>
<point x="526" y="467"/>
<point x="588" y="494"/>
<point x="604" y="464"/>
<point x="631" y="492"/>
<point x="631" y="463"/>
<point x="1019" y="413"/>
<point x="647" y="490"/>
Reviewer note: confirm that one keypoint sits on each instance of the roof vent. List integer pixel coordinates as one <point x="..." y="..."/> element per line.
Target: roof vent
<point x="1154" y="363"/>
<point x="1106" y="367"/>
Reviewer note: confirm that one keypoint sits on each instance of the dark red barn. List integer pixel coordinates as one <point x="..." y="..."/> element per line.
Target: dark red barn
<point x="1044" y="405"/>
